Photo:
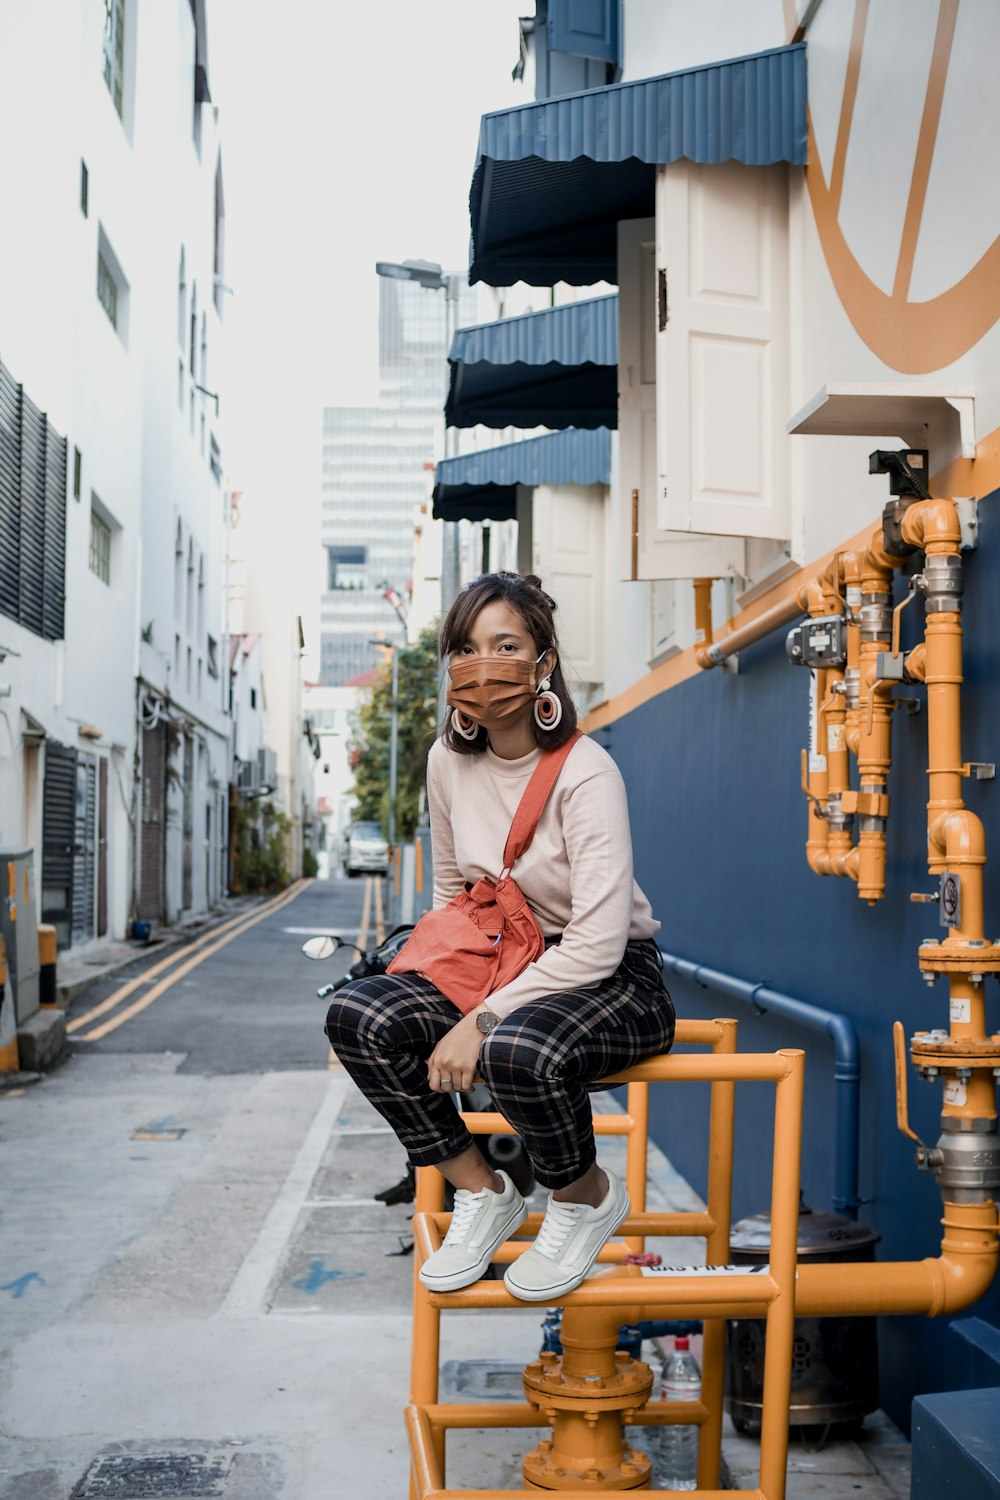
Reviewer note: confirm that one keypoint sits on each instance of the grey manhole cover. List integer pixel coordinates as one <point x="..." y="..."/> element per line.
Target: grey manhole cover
<point x="162" y="1476"/>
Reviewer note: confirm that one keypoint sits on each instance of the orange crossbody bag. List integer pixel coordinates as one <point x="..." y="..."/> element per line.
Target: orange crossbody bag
<point x="487" y="934"/>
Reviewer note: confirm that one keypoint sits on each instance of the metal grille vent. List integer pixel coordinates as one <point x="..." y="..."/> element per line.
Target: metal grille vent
<point x="165" y="1476"/>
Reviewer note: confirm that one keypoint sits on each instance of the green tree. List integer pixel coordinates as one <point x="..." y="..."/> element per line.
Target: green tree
<point x="369" y="747"/>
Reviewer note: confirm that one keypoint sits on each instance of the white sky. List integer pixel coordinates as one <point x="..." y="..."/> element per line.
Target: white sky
<point x="348" y="135"/>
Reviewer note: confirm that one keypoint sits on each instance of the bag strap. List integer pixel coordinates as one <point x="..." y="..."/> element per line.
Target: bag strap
<point x="533" y="800"/>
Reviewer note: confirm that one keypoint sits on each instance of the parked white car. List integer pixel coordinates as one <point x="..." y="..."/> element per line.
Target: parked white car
<point x="365" y="850"/>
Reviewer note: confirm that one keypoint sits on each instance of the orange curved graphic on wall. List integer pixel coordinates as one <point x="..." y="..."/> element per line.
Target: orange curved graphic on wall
<point x="914" y="337"/>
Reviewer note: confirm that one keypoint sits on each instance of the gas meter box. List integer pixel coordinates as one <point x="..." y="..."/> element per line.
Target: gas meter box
<point x="821" y="642"/>
<point x="19" y="928"/>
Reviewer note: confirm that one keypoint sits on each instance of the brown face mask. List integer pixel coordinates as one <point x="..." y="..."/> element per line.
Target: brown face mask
<point x="495" y="689"/>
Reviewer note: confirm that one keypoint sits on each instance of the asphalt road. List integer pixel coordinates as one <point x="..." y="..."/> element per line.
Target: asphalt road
<point x="250" y="1005"/>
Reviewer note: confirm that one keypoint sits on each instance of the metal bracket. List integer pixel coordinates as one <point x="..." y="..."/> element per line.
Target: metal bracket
<point x="967" y="507"/>
<point x="980" y="770"/>
<point x="966" y="408"/>
<point x="731" y="664"/>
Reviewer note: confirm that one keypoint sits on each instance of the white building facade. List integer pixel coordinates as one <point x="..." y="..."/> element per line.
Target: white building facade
<point x="111" y="504"/>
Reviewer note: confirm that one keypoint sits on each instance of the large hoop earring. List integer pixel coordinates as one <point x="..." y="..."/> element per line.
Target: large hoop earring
<point x="548" y="707"/>
<point x="463" y="725"/>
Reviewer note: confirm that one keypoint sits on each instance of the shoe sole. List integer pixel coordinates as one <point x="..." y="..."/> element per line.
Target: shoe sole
<point x="552" y="1293"/>
<point x="471" y="1274"/>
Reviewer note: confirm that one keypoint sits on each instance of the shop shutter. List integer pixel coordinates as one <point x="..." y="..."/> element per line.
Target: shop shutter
<point x="152" y="828"/>
<point x="722" y="349"/>
<point x="58" y="837"/>
<point x="85" y="850"/>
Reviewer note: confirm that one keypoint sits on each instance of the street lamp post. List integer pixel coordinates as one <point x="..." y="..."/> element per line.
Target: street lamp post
<point x="430" y="275"/>
<point x="393" y="748"/>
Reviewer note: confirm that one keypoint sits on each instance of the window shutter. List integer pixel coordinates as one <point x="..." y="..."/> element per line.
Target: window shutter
<point x="10" y="492"/>
<point x="32" y="515"/>
<point x="54" y="558"/>
<point x="568" y="547"/>
<point x="587" y="28"/>
<point x="648" y="552"/>
<point x="722" y="349"/>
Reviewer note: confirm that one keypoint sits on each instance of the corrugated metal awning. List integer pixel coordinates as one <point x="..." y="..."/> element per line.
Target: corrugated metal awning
<point x="483" y="486"/>
<point x="554" y="368"/>
<point x="553" y="178"/>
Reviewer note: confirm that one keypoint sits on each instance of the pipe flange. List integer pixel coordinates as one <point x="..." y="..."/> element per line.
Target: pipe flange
<point x="546" y="1385"/>
<point x="954" y="958"/>
<point x="938" y="1049"/>
<point x="544" y="1469"/>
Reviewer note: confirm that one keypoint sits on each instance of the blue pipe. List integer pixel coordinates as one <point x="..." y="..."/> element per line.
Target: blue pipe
<point x="846" y="1070"/>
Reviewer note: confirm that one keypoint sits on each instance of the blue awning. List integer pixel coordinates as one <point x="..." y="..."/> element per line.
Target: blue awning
<point x="553" y="178"/>
<point x="554" y="368"/>
<point x="483" y="486"/>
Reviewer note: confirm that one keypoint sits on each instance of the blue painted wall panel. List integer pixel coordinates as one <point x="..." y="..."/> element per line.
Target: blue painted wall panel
<point x="719" y="827"/>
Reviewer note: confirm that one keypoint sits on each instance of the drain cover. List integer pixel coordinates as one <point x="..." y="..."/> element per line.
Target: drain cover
<point x="162" y="1476"/>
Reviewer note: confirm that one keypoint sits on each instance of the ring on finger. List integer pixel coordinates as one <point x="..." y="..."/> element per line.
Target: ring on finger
<point x="446" y="1083"/>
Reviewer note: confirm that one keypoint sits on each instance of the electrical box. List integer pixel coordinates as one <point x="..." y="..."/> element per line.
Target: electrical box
<point x="19" y="928"/>
<point x="821" y="642"/>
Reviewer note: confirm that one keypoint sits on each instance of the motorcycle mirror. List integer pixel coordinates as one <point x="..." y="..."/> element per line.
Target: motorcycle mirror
<point x="320" y="947"/>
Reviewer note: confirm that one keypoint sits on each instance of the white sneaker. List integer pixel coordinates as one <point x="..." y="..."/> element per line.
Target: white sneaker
<point x="480" y="1223"/>
<point x="567" y="1245"/>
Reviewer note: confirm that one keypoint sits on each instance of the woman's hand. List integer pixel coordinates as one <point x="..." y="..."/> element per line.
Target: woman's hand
<point x="452" y="1064"/>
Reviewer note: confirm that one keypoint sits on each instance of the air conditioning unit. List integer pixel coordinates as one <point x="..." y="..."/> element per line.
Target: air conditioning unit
<point x="267" y="769"/>
<point x="247" y="775"/>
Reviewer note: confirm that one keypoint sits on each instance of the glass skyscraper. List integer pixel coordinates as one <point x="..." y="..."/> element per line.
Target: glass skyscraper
<point x="375" y="471"/>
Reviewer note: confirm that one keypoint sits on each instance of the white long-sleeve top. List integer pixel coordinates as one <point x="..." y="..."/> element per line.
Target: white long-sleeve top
<point x="576" y="876"/>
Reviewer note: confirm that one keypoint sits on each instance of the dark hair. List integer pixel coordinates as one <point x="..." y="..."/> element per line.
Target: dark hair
<point x="523" y="593"/>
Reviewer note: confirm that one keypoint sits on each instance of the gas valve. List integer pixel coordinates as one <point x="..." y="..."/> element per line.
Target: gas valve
<point x="820" y="642"/>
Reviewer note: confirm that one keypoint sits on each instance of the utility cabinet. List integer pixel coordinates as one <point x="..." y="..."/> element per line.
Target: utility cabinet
<point x="19" y="928"/>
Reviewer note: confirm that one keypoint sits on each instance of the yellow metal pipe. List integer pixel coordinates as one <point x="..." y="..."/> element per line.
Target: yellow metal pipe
<point x="686" y="1225"/>
<point x="488" y="1122"/>
<point x="746" y="635"/>
<point x="958" y="1277"/>
<point x="721" y="1131"/>
<point x="943" y="676"/>
<point x="637" y="1159"/>
<point x="703" y="611"/>
<point x="783" y="1256"/>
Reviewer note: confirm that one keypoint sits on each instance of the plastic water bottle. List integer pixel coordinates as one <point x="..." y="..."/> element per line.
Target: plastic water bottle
<point x="679" y="1444"/>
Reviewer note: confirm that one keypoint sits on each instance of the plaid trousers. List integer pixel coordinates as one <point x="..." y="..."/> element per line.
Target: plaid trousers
<point x="536" y="1063"/>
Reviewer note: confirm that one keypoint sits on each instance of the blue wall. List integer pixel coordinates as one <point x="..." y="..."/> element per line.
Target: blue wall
<point x="719" y="829"/>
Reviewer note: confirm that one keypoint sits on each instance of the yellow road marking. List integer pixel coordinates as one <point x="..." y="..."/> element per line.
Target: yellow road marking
<point x="129" y="988"/>
<point x="192" y="963"/>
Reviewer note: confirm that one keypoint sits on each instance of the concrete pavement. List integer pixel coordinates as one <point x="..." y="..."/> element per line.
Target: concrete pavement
<point x="199" y="1295"/>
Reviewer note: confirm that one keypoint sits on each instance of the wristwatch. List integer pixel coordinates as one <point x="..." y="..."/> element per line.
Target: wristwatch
<point x="486" y="1020"/>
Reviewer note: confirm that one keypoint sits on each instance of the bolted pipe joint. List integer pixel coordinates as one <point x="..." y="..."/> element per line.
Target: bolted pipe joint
<point x="876" y="617"/>
<point x="941" y="583"/>
<point x="966" y="1164"/>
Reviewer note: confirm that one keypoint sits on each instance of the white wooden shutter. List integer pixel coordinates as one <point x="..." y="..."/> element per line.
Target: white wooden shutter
<point x="722" y="349"/>
<point x="568" y="545"/>
<point x="648" y="551"/>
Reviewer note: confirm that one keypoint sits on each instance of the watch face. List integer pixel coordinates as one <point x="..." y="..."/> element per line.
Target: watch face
<point x="486" y="1021"/>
